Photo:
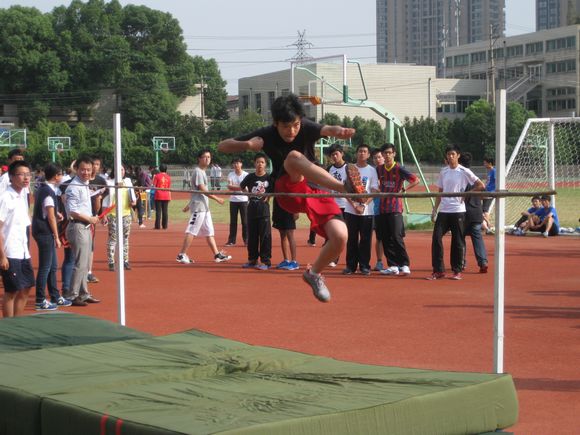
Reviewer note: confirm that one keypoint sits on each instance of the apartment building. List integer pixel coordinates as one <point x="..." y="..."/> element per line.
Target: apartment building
<point x="540" y="69"/>
<point x="556" y="13"/>
<point x="419" y="31"/>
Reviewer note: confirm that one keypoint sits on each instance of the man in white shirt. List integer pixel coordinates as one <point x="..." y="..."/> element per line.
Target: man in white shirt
<point x="358" y="215"/>
<point x="238" y="203"/>
<point x="13" y="155"/>
<point x="78" y="232"/>
<point x="15" y="264"/>
<point x="451" y="216"/>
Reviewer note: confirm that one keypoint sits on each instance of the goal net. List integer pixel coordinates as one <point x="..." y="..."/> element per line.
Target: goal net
<point x="546" y="157"/>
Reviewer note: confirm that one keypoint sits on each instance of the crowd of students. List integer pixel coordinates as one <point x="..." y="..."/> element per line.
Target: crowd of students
<point x="67" y="206"/>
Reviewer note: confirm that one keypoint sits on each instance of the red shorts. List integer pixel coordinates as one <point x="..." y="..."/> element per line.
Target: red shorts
<point x="319" y="210"/>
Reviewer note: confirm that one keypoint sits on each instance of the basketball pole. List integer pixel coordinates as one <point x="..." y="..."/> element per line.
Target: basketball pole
<point x="119" y="219"/>
<point x="499" y="276"/>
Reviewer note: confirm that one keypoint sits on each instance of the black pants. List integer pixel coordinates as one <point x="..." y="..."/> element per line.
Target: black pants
<point x="140" y="210"/>
<point x="445" y="222"/>
<point x="242" y="209"/>
<point x="358" y="246"/>
<point x="392" y="229"/>
<point x="260" y="240"/>
<point x="161" y="214"/>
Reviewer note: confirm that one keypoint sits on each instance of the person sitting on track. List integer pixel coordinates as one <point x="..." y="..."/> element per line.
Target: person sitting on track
<point x="547" y="221"/>
<point x="289" y="143"/>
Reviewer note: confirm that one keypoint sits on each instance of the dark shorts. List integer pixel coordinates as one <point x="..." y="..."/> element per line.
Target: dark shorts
<point x="486" y="204"/>
<point x="19" y="275"/>
<point x="554" y="230"/>
<point x="319" y="210"/>
<point x="281" y="219"/>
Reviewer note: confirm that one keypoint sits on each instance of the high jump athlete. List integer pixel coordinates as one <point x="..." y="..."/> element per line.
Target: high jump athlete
<point x="289" y="143"/>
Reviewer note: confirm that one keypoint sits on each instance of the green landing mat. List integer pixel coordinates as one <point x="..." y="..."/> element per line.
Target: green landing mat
<point x="56" y="329"/>
<point x="197" y="383"/>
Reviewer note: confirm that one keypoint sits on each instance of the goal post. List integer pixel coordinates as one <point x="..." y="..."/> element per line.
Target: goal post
<point x="545" y="157"/>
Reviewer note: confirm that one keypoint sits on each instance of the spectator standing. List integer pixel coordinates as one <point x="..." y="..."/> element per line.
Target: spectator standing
<point x="45" y="232"/>
<point x="127" y="200"/>
<point x="338" y="170"/>
<point x="162" y="180"/>
<point x="259" y="227"/>
<point x="200" y="223"/>
<point x="489" y="163"/>
<point x="98" y="188"/>
<point x="15" y="264"/>
<point x="449" y="214"/>
<point x="79" y="231"/>
<point x="392" y="177"/>
<point x="358" y="216"/>
<point x="238" y="203"/>
<point x="473" y="221"/>
<point x="378" y="161"/>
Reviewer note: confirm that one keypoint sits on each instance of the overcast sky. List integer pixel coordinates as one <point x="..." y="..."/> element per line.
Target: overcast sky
<point x="255" y="36"/>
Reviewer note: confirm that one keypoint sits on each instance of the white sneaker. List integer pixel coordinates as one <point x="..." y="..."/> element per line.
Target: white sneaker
<point x="405" y="270"/>
<point x="184" y="259"/>
<point x="220" y="257"/>
<point x="393" y="270"/>
<point x="332" y="264"/>
<point x="545" y="234"/>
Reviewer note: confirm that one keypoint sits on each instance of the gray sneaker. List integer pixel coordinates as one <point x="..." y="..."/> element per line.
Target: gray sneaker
<point x="318" y="286"/>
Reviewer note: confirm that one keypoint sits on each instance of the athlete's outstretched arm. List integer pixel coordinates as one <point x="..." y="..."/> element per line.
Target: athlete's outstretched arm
<point x="337" y="131"/>
<point x="238" y="146"/>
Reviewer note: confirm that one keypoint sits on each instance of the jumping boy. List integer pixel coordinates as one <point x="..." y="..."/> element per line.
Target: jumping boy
<point x="289" y="143"/>
<point x="200" y="223"/>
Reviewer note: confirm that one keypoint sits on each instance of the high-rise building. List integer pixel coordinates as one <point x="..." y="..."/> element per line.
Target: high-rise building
<point x="556" y="13"/>
<point x="419" y="31"/>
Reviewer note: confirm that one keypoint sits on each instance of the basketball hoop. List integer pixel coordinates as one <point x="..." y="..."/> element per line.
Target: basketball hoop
<point x="312" y="99"/>
<point x="164" y="147"/>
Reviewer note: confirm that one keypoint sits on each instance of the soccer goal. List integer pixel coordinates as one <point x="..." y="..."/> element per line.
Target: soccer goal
<point x="546" y="157"/>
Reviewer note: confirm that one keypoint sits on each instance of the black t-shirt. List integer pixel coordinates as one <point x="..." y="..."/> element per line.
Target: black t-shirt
<point x="473" y="208"/>
<point x="277" y="149"/>
<point x="258" y="206"/>
<point x="97" y="185"/>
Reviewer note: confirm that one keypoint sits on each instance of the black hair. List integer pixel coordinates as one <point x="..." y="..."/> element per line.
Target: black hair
<point x="387" y="146"/>
<point x="203" y="151"/>
<point x="363" y="145"/>
<point x="335" y="147"/>
<point x="51" y="170"/>
<point x="287" y="108"/>
<point x="15" y="152"/>
<point x="261" y="155"/>
<point x="465" y="159"/>
<point x="545" y="198"/>
<point x="536" y="197"/>
<point x="452" y="147"/>
<point x="17" y="164"/>
<point x="83" y="159"/>
<point x="162" y="167"/>
<point x="489" y="160"/>
<point x="236" y="160"/>
<point x="375" y="151"/>
<point x="112" y="174"/>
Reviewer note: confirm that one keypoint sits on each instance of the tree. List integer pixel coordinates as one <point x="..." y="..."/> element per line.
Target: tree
<point x="31" y="66"/>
